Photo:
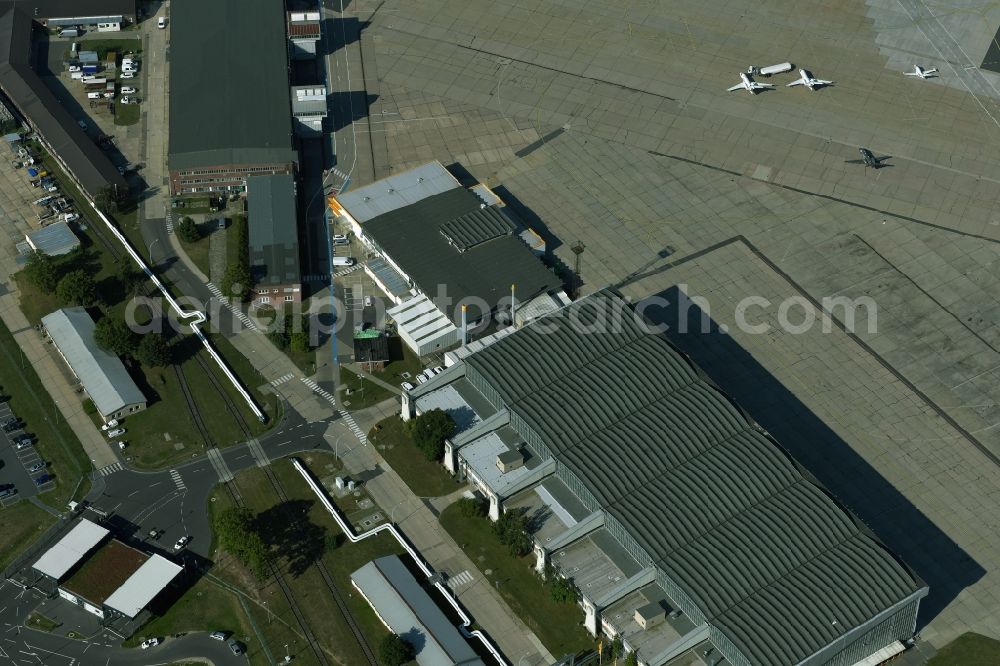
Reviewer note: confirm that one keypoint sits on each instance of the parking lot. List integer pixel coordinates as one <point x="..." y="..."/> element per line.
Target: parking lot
<point x="18" y="463"/>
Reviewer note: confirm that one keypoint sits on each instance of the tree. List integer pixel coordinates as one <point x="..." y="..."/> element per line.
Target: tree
<point x="188" y="231"/>
<point x="617" y="649"/>
<point x="632" y="659"/>
<point x="237" y="281"/>
<point x="131" y="279"/>
<point x="115" y="336"/>
<point x="512" y="531"/>
<point x="563" y="590"/>
<point x="41" y="271"/>
<point x="394" y="651"/>
<point x="237" y="535"/>
<point x="77" y="288"/>
<point x="430" y="429"/>
<point x="153" y="351"/>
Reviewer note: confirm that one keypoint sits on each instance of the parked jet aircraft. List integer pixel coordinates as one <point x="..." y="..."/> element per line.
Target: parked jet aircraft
<point x="921" y="72"/>
<point x="748" y="84"/>
<point x="808" y="81"/>
<point x="869" y="160"/>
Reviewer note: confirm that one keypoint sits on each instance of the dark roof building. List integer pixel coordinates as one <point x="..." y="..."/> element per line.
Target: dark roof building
<point x="274" y="239"/>
<point x="230" y="113"/>
<point x="454" y="245"/>
<point x="21" y="85"/>
<point x="689" y="493"/>
<point x="371" y="349"/>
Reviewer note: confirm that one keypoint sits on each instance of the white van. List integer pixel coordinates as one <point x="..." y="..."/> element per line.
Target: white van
<point x="343" y="261"/>
<point x="69" y="32"/>
<point x="93" y="95"/>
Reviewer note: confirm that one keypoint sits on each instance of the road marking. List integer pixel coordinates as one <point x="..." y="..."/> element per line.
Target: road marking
<point x="178" y="481"/>
<point x="239" y="314"/>
<point x="460" y="579"/>
<point x="110" y="469"/>
<point x="220" y="466"/>
<point x="282" y="379"/>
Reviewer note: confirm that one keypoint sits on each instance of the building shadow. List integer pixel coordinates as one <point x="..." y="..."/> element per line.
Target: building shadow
<point x="920" y="543"/>
<point x="348" y="107"/>
<point x="339" y="32"/>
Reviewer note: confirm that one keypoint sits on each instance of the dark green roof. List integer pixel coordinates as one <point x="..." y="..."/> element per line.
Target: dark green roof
<point x="415" y="238"/>
<point x="229" y="89"/>
<point x="765" y="553"/>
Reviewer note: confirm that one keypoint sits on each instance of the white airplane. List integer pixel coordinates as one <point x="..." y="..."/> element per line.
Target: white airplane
<point x="921" y="72"/>
<point x="808" y="81"/>
<point x="748" y="84"/>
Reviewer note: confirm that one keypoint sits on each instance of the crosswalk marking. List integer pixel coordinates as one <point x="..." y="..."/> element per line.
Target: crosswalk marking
<point x="344" y="414"/>
<point x="220" y="466"/>
<point x="282" y="380"/>
<point x="346" y="271"/>
<point x="110" y="469"/>
<point x="239" y="314"/>
<point x="170" y="224"/>
<point x="339" y="173"/>
<point x="324" y="278"/>
<point x="458" y="580"/>
<point x="178" y="481"/>
<point x="258" y="453"/>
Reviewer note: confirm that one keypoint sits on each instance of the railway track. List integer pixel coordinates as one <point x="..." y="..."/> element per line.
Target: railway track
<point x="283" y="497"/>
<point x="199" y="423"/>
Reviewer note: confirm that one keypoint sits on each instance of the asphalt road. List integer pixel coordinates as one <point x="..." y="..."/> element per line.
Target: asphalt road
<point x="174" y="501"/>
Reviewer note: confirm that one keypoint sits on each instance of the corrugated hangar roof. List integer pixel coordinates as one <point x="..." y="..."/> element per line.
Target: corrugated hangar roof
<point x="766" y="554"/>
<point x="102" y="374"/>
<point x="70" y="549"/>
<point x="412" y="236"/>
<point x="397" y="191"/>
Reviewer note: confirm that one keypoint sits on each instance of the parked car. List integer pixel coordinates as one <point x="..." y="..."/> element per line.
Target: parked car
<point x="74" y="68"/>
<point x="52" y="188"/>
<point x="127" y="75"/>
<point x="437" y="369"/>
<point x="7" y="492"/>
<point x="37" y="467"/>
<point x="421" y="378"/>
<point x="129" y="100"/>
<point x="407" y="386"/>
<point x="22" y="443"/>
<point x="150" y="642"/>
<point x="341" y="239"/>
<point x="117" y="432"/>
<point x="70" y="217"/>
<point x="236" y="647"/>
<point x="369" y="301"/>
<point x="428" y="374"/>
<point x="154" y="533"/>
<point x="127" y="90"/>
<point x="82" y="125"/>
<point x="43" y="479"/>
<point x="113" y="423"/>
<point x="122" y="444"/>
<point x="183" y="541"/>
<point x="219" y="635"/>
<point x="161" y="22"/>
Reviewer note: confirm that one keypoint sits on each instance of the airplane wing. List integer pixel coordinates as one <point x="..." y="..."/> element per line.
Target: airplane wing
<point x="930" y="71"/>
<point x="800" y="82"/>
<point x="821" y="82"/>
<point x="912" y="73"/>
<point x="854" y="161"/>
<point x="738" y="86"/>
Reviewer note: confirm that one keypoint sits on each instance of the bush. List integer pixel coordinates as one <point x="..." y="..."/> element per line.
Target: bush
<point x="429" y="430"/>
<point x="237" y="280"/>
<point x="89" y="407"/>
<point x="153" y="351"/>
<point x="394" y="651"/>
<point x="188" y="231"/>
<point x="563" y="590"/>
<point x="471" y="507"/>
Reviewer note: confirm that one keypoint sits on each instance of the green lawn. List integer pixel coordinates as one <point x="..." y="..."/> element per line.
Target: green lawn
<point x="559" y="626"/>
<point x="55" y="440"/>
<point x="102" y="46"/>
<point x="198" y="252"/>
<point x="969" y="649"/>
<point x="360" y="392"/>
<point x="127" y="114"/>
<point x="300" y="531"/>
<point x="405" y="362"/>
<point x="38" y="621"/>
<point x="205" y="606"/>
<point x="20" y="524"/>
<point x="425" y="478"/>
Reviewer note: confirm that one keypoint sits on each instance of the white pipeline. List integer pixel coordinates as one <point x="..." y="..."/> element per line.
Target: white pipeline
<point x="198" y="316"/>
<point x="389" y="527"/>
